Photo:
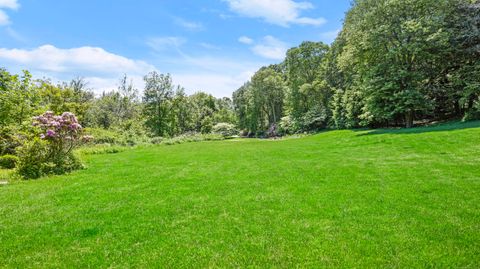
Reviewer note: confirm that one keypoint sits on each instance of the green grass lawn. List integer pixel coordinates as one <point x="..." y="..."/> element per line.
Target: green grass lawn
<point x="381" y="198"/>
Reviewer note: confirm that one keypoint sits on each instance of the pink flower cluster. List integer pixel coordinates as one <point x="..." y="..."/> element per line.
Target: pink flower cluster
<point x="65" y="126"/>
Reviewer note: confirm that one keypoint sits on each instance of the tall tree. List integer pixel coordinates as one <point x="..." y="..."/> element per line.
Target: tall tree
<point x="304" y="71"/>
<point x="395" y="59"/>
<point x="157" y="98"/>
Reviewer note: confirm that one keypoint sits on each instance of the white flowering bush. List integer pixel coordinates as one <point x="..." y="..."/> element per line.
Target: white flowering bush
<point x="225" y="129"/>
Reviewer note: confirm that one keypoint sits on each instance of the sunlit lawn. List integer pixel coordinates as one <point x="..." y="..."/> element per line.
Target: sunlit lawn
<point x="383" y="198"/>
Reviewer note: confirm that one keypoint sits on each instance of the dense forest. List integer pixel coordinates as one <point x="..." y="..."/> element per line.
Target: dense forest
<point x="394" y="63"/>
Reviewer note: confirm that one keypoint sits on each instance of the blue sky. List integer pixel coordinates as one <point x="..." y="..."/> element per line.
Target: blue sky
<point x="209" y="45"/>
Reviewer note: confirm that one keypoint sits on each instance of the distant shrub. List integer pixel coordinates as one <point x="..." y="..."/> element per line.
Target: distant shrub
<point x="225" y="129"/>
<point x="9" y="140"/>
<point x="156" y="140"/>
<point x="103" y="136"/>
<point x="244" y="133"/>
<point x="35" y="160"/>
<point x="101" y="149"/>
<point x="287" y="126"/>
<point x="207" y="125"/>
<point x="473" y="114"/>
<point x="33" y="157"/>
<point x="192" y="137"/>
<point x="314" y="119"/>
<point x="261" y="134"/>
<point x="8" y="161"/>
<point x="121" y="136"/>
<point x="132" y="132"/>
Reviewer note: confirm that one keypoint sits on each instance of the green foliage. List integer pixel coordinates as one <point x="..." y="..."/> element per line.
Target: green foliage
<point x="156" y="140"/>
<point x="18" y="98"/>
<point x="10" y="139"/>
<point x="101" y="149"/>
<point x="157" y="98"/>
<point x="170" y="112"/>
<point x="131" y="134"/>
<point x="103" y="136"/>
<point x="403" y="67"/>
<point x="259" y="104"/>
<point x="8" y="161"/>
<point x="287" y="126"/>
<point x="192" y="137"/>
<point x="35" y="160"/>
<point x="314" y="119"/>
<point x="419" y="61"/>
<point x="306" y="88"/>
<point x="473" y="113"/>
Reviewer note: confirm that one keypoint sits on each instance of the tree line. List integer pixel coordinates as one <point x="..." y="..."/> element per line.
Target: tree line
<point x="393" y="63"/>
<point x="162" y="110"/>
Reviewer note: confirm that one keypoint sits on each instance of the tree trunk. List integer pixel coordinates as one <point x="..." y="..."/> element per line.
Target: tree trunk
<point x="409" y="119"/>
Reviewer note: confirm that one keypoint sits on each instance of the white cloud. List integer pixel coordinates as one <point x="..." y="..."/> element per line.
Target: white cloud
<point x="189" y="25"/>
<point x="7" y="4"/>
<point x="52" y="59"/>
<point x="10" y="4"/>
<point x="271" y="48"/>
<point x="4" y="20"/>
<point x="100" y="67"/>
<point x="162" y="43"/>
<point x="245" y="40"/>
<point x="214" y="74"/>
<point x="279" y="12"/>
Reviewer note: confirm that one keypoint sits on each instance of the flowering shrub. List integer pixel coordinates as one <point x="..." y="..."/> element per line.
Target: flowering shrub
<point x="225" y="129"/>
<point x="63" y="132"/>
<point x="52" y="154"/>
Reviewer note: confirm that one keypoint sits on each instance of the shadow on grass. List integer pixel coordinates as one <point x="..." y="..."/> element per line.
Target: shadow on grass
<point x="442" y="127"/>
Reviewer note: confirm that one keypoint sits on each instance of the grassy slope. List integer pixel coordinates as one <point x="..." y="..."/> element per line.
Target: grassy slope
<point x="343" y="198"/>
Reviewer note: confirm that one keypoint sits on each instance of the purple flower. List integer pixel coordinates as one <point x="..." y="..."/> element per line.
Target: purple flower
<point x="75" y="126"/>
<point x="51" y="133"/>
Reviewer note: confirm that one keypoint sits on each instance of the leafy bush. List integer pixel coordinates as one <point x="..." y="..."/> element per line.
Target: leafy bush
<point x="8" y="161"/>
<point x="287" y="126"/>
<point x="103" y="136"/>
<point x="32" y="159"/>
<point x="192" y="137"/>
<point x="125" y="136"/>
<point x="53" y="152"/>
<point x="473" y="114"/>
<point x="225" y="129"/>
<point x="132" y="132"/>
<point x="101" y="149"/>
<point x="315" y="119"/>
<point x="9" y="140"/>
<point x="156" y="140"/>
<point x="35" y="160"/>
